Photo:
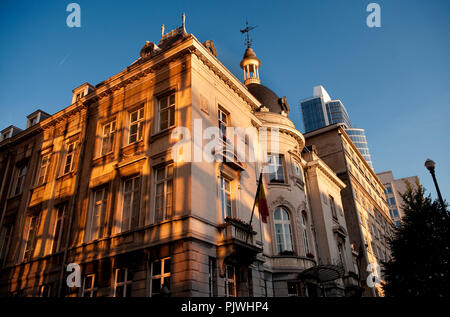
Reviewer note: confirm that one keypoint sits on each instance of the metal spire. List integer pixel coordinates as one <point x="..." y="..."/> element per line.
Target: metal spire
<point x="246" y="31"/>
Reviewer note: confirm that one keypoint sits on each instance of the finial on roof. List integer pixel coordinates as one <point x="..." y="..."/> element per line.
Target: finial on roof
<point x="162" y="30"/>
<point x="183" y="17"/>
<point x="246" y="31"/>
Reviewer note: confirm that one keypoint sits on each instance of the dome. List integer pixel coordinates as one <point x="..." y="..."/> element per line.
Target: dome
<point x="268" y="98"/>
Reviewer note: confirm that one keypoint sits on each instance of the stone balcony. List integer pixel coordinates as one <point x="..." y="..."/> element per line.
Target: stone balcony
<point x="236" y="243"/>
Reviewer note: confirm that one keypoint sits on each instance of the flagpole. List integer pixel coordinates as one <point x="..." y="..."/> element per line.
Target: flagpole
<point x="254" y="204"/>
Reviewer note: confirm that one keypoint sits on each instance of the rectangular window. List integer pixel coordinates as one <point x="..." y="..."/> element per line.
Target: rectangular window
<point x="108" y="131"/>
<point x="333" y="207"/>
<point x="30" y="236"/>
<point x="225" y="197"/>
<point x="276" y="168"/>
<point x="166" y="111"/>
<point x="58" y="228"/>
<point x="89" y="286"/>
<point x="136" y="125"/>
<point x="96" y="214"/>
<point x="20" y="182"/>
<point x="161" y="277"/>
<point x="122" y="283"/>
<point x="395" y="212"/>
<point x="5" y="238"/>
<point x="130" y="204"/>
<point x="70" y="156"/>
<point x="223" y="123"/>
<point x="164" y="192"/>
<point x="230" y="281"/>
<point x="43" y="170"/>
<point x="392" y="201"/>
<point x="212" y="277"/>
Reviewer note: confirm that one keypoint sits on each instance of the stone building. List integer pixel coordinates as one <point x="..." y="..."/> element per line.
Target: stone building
<point x="366" y="211"/>
<point x="395" y="188"/>
<point x="97" y="185"/>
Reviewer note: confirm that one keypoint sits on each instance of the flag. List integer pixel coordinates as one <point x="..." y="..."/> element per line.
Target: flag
<point x="261" y="201"/>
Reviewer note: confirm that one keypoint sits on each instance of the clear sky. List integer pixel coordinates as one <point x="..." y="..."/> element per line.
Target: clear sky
<point x="393" y="80"/>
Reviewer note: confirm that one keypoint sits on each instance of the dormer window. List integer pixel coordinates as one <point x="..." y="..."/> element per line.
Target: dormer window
<point x="9" y="132"/>
<point x="36" y="117"/>
<point x="6" y="135"/>
<point x="32" y="121"/>
<point x="79" y="96"/>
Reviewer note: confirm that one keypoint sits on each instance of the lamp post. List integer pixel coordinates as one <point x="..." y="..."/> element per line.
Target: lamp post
<point x="430" y="165"/>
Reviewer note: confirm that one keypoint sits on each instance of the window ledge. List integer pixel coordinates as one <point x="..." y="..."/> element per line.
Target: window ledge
<point x="66" y="175"/>
<point x="103" y="157"/>
<point x="161" y="133"/>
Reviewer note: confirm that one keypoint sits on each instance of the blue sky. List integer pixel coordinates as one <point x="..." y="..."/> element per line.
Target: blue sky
<point x="393" y="80"/>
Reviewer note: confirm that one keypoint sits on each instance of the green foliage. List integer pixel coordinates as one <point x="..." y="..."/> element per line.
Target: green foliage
<point x="420" y="248"/>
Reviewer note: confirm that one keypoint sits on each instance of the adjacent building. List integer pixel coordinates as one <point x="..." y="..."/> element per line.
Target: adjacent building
<point x="366" y="211"/>
<point x="321" y="111"/>
<point x="97" y="185"/>
<point x="395" y="188"/>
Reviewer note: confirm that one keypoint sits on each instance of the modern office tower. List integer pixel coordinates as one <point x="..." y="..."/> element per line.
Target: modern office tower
<point x="395" y="188"/>
<point x="321" y="111"/>
<point x="358" y="136"/>
<point x="363" y="199"/>
<point x="96" y="184"/>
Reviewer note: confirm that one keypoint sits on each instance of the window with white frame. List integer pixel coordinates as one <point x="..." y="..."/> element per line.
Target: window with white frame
<point x="89" y="286"/>
<point x="276" y="168"/>
<point x="20" y="181"/>
<point x="130" y="204"/>
<point x="70" y="157"/>
<point x="32" y="223"/>
<point x="58" y="228"/>
<point x="298" y="170"/>
<point x="283" y="236"/>
<point x="122" y="282"/>
<point x="225" y="197"/>
<point x="43" y="169"/>
<point x="305" y="232"/>
<point x="164" y="192"/>
<point x="136" y="125"/>
<point x="96" y="214"/>
<point x="108" y="131"/>
<point x="230" y="281"/>
<point x="223" y="123"/>
<point x="166" y="111"/>
<point x="161" y="272"/>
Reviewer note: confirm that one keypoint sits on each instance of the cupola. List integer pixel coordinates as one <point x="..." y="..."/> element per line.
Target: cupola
<point x="250" y="65"/>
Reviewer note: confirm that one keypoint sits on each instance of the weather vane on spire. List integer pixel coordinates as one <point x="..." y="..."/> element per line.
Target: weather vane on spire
<point x="247" y="30"/>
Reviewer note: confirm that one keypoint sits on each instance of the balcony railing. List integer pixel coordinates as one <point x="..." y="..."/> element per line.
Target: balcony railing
<point x="237" y="231"/>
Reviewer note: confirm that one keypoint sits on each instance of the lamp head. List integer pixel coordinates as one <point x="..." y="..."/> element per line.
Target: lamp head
<point x="429" y="164"/>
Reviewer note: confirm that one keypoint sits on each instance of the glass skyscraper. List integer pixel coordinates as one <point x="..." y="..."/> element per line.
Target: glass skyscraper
<point x="320" y="111"/>
<point x="358" y="137"/>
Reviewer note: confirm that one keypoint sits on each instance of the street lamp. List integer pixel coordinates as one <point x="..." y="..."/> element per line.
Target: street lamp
<point x="430" y="165"/>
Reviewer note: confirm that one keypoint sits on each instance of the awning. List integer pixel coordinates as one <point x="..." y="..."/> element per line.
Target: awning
<point x="323" y="273"/>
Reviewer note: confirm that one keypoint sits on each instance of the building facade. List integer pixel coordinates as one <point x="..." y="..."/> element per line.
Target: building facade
<point x="366" y="211"/>
<point x="102" y="185"/>
<point x="321" y="111"/>
<point x="395" y="188"/>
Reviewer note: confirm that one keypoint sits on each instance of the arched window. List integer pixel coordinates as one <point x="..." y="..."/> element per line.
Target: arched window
<point x="283" y="234"/>
<point x="305" y="232"/>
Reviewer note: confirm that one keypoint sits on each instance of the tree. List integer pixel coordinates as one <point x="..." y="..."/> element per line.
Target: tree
<point x="420" y="249"/>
